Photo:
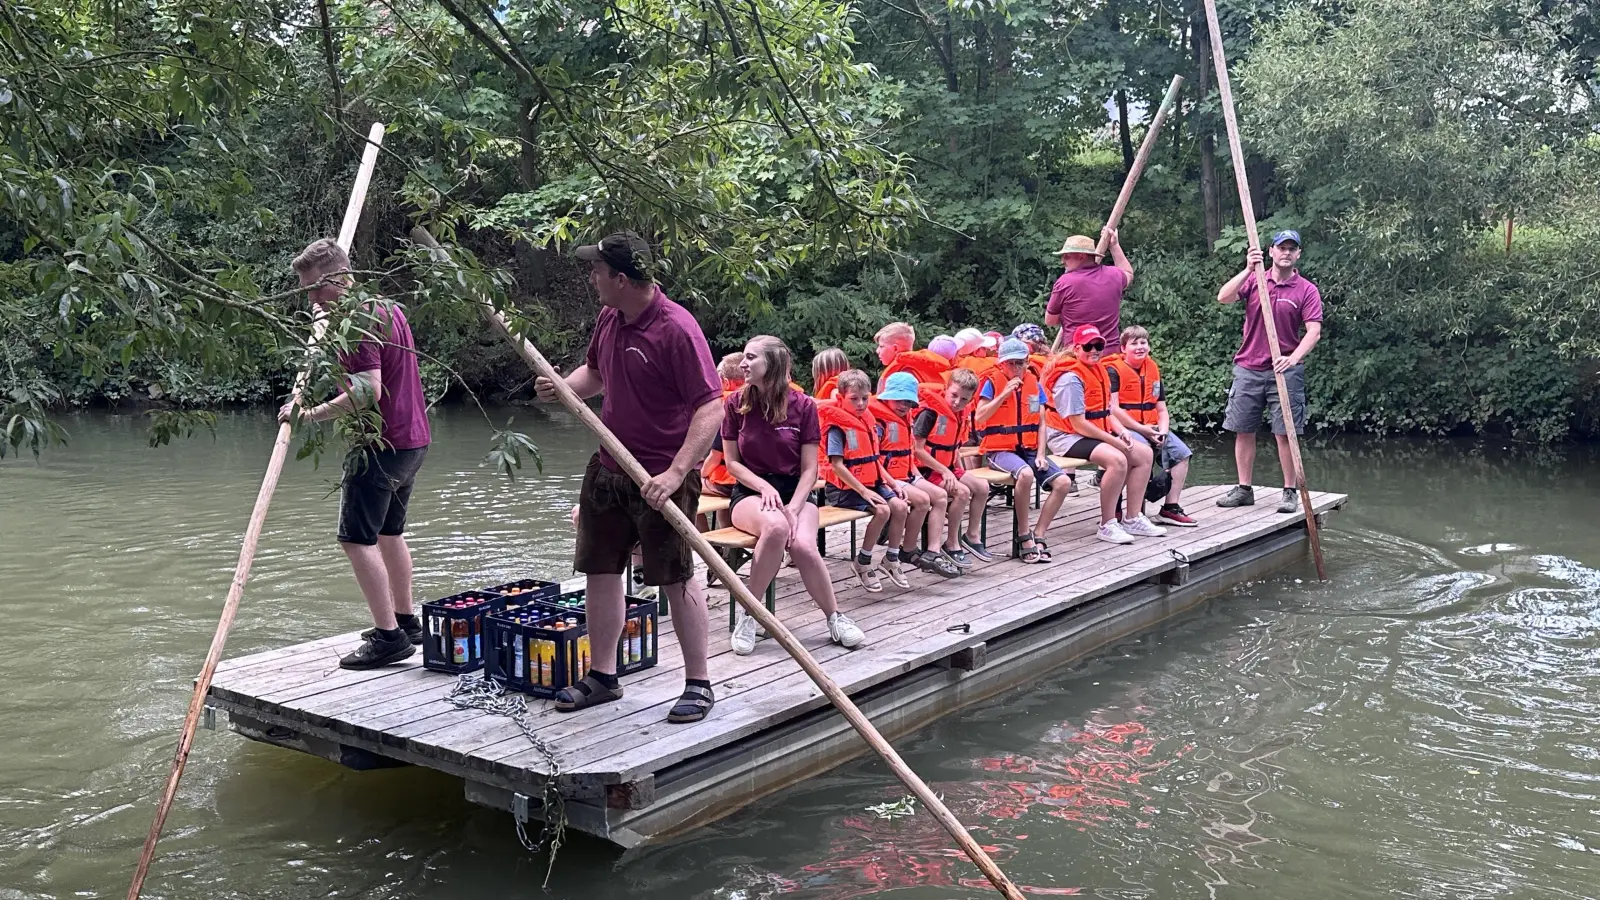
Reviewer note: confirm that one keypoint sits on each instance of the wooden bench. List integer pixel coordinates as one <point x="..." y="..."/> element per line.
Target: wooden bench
<point x="711" y="504"/>
<point x="740" y="545"/>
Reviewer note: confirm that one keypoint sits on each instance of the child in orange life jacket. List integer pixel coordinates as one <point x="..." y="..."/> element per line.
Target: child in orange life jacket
<point x="1081" y="425"/>
<point x="825" y="369"/>
<point x="771" y="431"/>
<point x="715" y="479"/>
<point x="892" y="410"/>
<point x="1039" y="360"/>
<point x="855" y="475"/>
<point x="894" y="351"/>
<point x="1142" y="409"/>
<point x="1008" y="420"/>
<point x="940" y="429"/>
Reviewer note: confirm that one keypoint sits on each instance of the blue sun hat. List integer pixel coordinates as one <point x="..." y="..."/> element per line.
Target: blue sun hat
<point x="900" y="386"/>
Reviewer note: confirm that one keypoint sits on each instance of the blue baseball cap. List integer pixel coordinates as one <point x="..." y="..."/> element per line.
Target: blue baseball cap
<point x="1288" y="234"/>
<point x="1013" y="349"/>
<point x="900" y="386"/>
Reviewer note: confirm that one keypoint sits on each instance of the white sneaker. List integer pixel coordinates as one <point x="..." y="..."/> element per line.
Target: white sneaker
<point x="844" y="632"/>
<point x="1139" y="526"/>
<point x="896" y="574"/>
<point x="744" y="635"/>
<point x="868" y="575"/>
<point x="1112" y="533"/>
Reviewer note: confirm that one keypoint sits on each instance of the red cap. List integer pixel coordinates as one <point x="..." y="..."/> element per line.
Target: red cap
<point x="1083" y="334"/>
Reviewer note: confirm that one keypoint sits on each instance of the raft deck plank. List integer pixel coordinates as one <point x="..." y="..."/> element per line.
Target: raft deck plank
<point x="401" y="712"/>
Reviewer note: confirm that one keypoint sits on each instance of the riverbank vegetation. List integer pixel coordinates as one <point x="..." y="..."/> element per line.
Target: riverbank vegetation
<point x="810" y="170"/>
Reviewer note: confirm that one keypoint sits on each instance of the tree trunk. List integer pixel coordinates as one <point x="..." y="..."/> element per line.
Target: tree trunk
<point x="329" y="57"/>
<point x="1210" y="194"/>
<point x="950" y="82"/>
<point x="531" y="259"/>
<point x="1122" y="127"/>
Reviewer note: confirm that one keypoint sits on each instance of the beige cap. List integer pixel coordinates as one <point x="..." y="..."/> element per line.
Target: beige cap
<point x="1080" y="244"/>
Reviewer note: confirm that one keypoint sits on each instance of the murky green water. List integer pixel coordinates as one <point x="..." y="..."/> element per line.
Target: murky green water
<point x="1423" y="727"/>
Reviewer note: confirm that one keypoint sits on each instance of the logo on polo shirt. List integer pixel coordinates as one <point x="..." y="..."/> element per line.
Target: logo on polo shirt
<point x="640" y="352"/>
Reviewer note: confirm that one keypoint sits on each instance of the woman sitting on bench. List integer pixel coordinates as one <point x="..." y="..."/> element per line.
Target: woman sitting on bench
<point x="770" y="438"/>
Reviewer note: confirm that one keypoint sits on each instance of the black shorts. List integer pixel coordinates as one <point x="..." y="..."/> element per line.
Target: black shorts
<point x="1082" y="448"/>
<point x="376" y="492"/>
<point x="613" y="517"/>
<point x="845" y="498"/>
<point x="785" y="485"/>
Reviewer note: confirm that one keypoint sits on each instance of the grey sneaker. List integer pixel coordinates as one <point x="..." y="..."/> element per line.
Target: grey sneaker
<point x="1241" y="495"/>
<point x="938" y="564"/>
<point x="960" y="558"/>
<point x="1291" y="501"/>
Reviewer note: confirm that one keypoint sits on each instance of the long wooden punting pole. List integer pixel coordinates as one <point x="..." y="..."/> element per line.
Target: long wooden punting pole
<point x="1126" y="194"/>
<point x="1264" y="298"/>
<point x="252" y="535"/>
<point x="741" y="593"/>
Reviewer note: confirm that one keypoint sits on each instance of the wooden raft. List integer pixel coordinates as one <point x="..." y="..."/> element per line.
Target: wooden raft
<point x="630" y="777"/>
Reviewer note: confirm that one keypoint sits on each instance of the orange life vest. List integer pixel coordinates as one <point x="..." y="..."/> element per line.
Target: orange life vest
<point x="1015" y="425"/>
<point x="977" y="365"/>
<point x="928" y="366"/>
<point x="950" y="429"/>
<point x="729" y="385"/>
<point x="894" y="440"/>
<point x="860" y="443"/>
<point x="1136" y="389"/>
<point x="718" y="472"/>
<point x="1038" y="362"/>
<point x="1096" y="393"/>
<point x="827" y="388"/>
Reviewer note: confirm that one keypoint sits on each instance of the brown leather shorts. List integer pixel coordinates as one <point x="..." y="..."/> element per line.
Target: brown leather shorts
<point x="613" y="517"/>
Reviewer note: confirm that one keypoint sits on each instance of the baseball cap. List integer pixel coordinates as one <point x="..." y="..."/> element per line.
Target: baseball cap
<point x="625" y="252"/>
<point x="1083" y="334"/>
<point x="1028" y="331"/>
<point x="1012" y="349"/>
<point x="945" y="345"/>
<point x="992" y="339"/>
<point x="900" y="386"/>
<point x="1288" y="234"/>
<point x="1079" y="243"/>
<point x="970" y="339"/>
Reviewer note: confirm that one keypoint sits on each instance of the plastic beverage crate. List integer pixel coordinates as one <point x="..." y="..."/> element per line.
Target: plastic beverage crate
<point x="543" y="647"/>
<point x="453" y="630"/>
<point x="525" y="590"/>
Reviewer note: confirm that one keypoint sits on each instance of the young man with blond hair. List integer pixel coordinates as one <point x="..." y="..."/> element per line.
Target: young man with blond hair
<point x="377" y="484"/>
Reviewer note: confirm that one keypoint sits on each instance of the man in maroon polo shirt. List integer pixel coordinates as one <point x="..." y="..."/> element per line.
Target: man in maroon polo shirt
<point x="663" y="400"/>
<point x="1088" y="293"/>
<point x="377" y="484"/>
<point x="1297" y="313"/>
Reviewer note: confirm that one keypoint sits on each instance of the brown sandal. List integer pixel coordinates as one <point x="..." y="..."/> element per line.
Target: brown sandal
<point x="586" y="693"/>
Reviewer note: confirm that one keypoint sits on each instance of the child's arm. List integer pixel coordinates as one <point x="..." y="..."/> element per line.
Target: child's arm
<point x="843" y="473"/>
<point x="987" y="408"/>
<point x="920" y="453"/>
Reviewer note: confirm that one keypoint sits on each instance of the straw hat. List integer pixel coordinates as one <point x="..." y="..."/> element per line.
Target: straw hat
<point x="1080" y="244"/>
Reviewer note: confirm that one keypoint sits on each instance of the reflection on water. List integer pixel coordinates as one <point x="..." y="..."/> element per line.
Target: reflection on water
<point x="1423" y="726"/>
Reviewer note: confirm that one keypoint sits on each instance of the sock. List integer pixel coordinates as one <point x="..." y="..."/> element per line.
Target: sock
<point x="891" y="555"/>
<point x="403" y="619"/>
<point x="697" y="682"/>
<point x="910" y="557"/>
<point x="864" y="557"/>
<point x="390" y="635"/>
<point x="610" y="681"/>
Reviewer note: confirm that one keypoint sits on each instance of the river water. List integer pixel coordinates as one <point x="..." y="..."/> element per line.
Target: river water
<point x="1423" y="726"/>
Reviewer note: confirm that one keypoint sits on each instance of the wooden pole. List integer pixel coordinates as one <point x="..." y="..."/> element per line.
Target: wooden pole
<point x="252" y="537"/>
<point x="738" y="591"/>
<point x="1263" y="297"/>
<point x="1150" y="136"/>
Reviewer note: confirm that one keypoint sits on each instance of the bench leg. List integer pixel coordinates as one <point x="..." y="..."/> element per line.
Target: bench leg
<point x="852" y="538"/>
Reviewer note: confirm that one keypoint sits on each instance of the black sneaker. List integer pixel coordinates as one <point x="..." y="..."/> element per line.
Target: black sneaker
<point x="1241" y="495"/>
<point x="412" y="630"/>
<point x="375" y="652"/>
<point x="1291" y="501"/>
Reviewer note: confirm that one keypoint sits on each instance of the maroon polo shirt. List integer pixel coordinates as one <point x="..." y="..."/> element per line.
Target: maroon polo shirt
<point x="1091" y="295"/>
<point x="769" y="448"/>
<point x="400" y="399"/>
<point x="656" y="370"/>
<point x="1295" y="302"/>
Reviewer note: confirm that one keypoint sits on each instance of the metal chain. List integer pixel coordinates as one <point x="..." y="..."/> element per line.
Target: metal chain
<point x="477" y="691"/>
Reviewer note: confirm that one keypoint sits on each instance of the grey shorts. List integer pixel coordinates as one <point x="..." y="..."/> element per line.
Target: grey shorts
<point x="1255" y="393"/>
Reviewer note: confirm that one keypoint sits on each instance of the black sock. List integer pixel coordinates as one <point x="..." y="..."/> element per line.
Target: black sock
<point x="404" y="619"/>
<point x="891" y="555"/>
<point x="391" y="635"/>
<point x="910" y="557"/>
<point x="697" y="682"/>
<point x="864" y="557"/>
<point x="610" y="681"/>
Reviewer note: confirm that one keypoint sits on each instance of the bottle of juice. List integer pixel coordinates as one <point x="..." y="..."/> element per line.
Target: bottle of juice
<point x="633" y="638"/>
<point x="583" y="655"/>
<point x="517" y="670"/>
<point x="458" y="641"/>
<point x="649" y="642"/>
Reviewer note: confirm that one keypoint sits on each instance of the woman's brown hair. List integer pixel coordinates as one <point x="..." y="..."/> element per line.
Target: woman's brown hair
<point x="771" y="393"/>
